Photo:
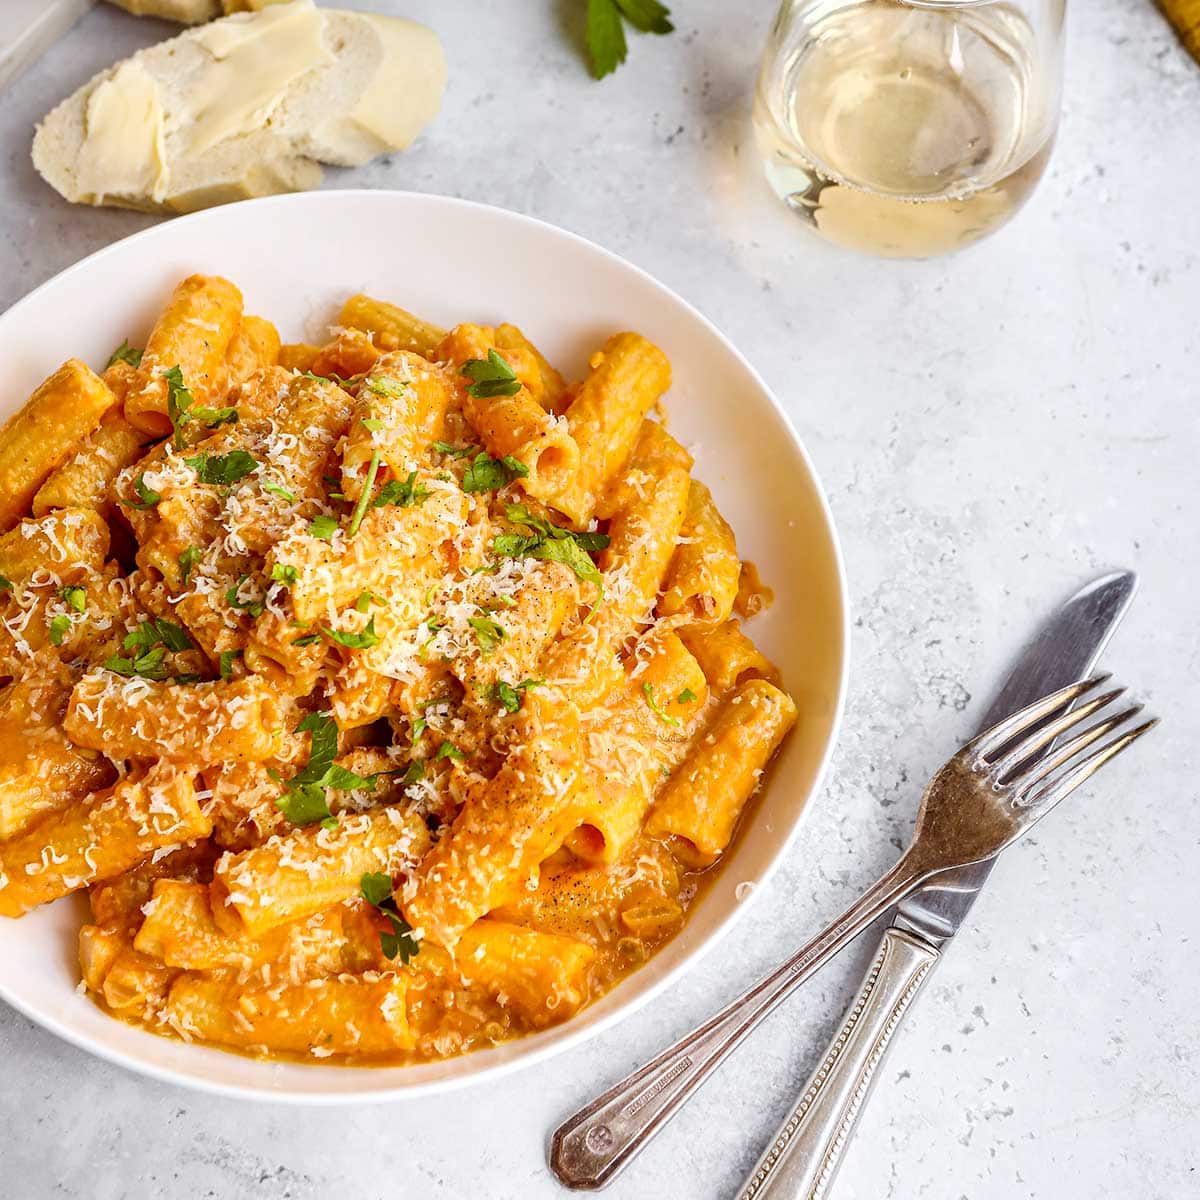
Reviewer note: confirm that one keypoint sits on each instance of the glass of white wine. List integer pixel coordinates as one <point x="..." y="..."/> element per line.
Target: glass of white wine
<point x="909" y="128"/>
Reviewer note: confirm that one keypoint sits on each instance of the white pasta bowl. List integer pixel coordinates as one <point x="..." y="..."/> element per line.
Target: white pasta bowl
<point x="296" y="258"/>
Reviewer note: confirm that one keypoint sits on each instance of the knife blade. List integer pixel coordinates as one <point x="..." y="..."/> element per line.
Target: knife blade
<point x="1065" y="649"/>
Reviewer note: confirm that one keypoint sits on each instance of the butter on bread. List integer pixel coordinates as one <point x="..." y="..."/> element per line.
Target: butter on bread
<point x="191" y="12"/>
<point x="249" y="105"/>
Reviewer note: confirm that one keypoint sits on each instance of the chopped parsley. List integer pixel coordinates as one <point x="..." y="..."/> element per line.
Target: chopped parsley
<point x="277" y="489"/>
<point x="451" y="751"/>
<point x="385" y="385"/>
<point x="284" y="573"/>
<point x="364" y="497"/>
<point x="147" y="497"/>
<point x="376" y="890"/>
<point x="451" y="451"/>
<point x="687" y="696"/>
<point x="182" y="408"/>
<point x="509" y="695"/>
<point x="233" y="597"/>
<point x="354" y="641"/>
<point x="224" y="470"/>
<point x="188" y="558"/>
<point x="59" y="627"/>
<point x="306" y="639"/>
<point x="323" y="527"/>
<point x="153" y="638"/>
<point x="226" y="661"/>
<point x="149" y="665"/>
<point x="372" y="424"/>
<point x="666" y="718"/>
<point x="5" y="584"/>
<point x="414" y="774"/>
<point x="404" y="493"/>
<point x="304" y="801"/>
<point x="487" y="474"/>
<point x="553" y="543"/>
<point x="125" y="353"/>
<point x="76" y="597"/>
<point x="488" y="633"/>
<point x="492" y="377"/>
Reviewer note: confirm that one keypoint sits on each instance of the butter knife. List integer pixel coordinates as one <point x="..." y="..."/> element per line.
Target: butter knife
<point x="801" y="1161"/>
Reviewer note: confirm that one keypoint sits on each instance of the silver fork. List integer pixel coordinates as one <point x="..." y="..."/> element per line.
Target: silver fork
<point x="994" y="790"/>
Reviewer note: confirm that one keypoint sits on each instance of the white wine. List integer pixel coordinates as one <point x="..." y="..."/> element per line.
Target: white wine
<point x="905" y="130"/>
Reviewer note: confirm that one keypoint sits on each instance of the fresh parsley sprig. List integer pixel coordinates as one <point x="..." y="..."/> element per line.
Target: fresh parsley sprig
<point x="605" y="31"/>
<point x="403" y="493"/>
<point x="655" y="708"/>
<point x="147" y="497"/>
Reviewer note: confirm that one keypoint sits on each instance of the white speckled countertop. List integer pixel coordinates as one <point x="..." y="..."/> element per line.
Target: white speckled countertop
<point x="992" y="430"/>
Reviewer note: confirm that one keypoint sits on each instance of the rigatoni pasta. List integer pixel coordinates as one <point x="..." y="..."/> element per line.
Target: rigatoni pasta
<point x="383" y="694"/>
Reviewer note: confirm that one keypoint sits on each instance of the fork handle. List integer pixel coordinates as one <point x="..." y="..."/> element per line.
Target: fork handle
<point x="803" y="1158"/>
<point x="590" y="1148"/>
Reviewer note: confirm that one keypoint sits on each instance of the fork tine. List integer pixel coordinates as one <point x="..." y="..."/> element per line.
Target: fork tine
<point x="1045" y="767"/>
<point x="1053" y="791"/>
<point x="1046" y="734"/>
<point x="1004" y="731"/>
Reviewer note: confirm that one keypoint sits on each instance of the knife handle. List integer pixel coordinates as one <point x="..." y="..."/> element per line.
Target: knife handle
<point x="802" y="1159"/>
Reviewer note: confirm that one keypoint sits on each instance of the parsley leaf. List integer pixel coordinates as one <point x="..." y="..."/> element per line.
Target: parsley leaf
<point x="487" y="632"/>
<point x="666" y="718"/>
<point x="226" y="661"/>
<point x="252" y="608"/>
<point x="306" y="639"/>
<point x="648" y="16"/>
<point x="404" y="493"/>
<point x="323" y="527"/>
<point x="125" y="353"/>
<point x="188" y="558"/>
<point x="304" y="801"/>
<point x="223" y="469"/>
<point x="605" y="37"/>
<point x="277" y="489"/>
<point x="376" y="890"/>
<point x="687" y="696"/>
<point x="59" y="627"/>
<point x="363" y="603"/>
<point x="508" y="695"/>
<point x="492" y="377"/>
<point x="284" y="573"/>
<point x="552" y="543"/>
<point x="76" y="597"/>
<point x="453" y="451"/>
<point x="486" y="474"/>
<point x="149" y="665"/>
<point x="5" y="584"/>
<point x="354" y="641"/>
<point x="414" y="774"/>
<point x="372" y="424"/>
<point x="146" y="496"/>
<point x="451" y="751"/>
<point x="154" y="632"/>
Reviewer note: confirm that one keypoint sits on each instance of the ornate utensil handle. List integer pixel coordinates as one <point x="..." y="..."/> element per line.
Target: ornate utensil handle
<point x="590" y="1148"/>
<point x="802" y="1159"/>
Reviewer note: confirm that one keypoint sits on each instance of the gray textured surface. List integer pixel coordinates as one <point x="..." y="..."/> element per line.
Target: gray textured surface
<point x="992" y="429"/>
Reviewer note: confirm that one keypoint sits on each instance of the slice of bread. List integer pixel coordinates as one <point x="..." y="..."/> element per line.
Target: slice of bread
<point x="188" y="123"/>
<point x="191" y="12"/>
